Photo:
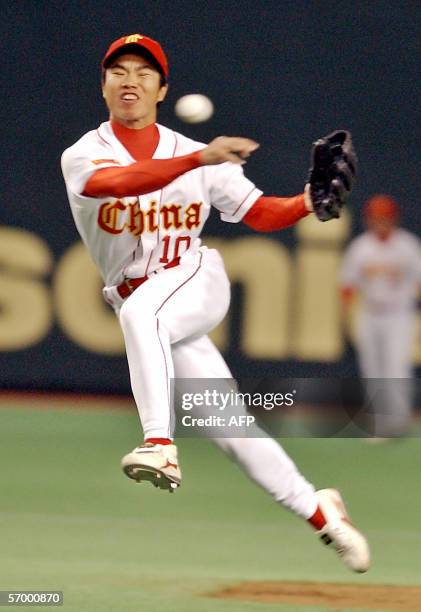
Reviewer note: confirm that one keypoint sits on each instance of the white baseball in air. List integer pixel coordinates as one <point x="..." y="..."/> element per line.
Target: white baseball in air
<point x="194" y="108"/>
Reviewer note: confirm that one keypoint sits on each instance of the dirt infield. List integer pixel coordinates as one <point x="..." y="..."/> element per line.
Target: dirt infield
<point x="331" y="596"/>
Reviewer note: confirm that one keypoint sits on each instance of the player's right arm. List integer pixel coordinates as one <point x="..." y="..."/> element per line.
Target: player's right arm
<point x="148" y="175"/>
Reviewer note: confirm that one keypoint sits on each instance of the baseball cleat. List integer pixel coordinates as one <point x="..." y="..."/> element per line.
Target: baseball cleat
<point x="156" y="463"/>
<point x="349" y="543"/>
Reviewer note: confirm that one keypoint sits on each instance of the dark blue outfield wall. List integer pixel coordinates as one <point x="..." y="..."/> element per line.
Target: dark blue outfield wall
<point x="283" y="73"/>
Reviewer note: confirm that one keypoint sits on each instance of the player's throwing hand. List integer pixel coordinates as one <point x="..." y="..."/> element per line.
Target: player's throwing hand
<point x="228" y="149"/>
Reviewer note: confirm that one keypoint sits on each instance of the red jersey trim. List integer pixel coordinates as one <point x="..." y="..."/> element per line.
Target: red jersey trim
<point x="245" y="199"/>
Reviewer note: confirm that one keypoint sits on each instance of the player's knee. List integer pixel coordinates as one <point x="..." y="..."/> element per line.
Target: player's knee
<point x="221" y="309"/>
<point x="213" y="316"/>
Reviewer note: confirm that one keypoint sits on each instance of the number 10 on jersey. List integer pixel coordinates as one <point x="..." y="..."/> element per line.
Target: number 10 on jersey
<point x="172" y="247"/>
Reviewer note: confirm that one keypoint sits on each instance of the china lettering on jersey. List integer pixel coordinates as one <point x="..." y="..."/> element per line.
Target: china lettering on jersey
<point x="115" y="217"/>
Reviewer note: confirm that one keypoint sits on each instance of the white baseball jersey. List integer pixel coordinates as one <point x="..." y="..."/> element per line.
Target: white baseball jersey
<point x="134" y="236"/>
<point x="386" y="272"/>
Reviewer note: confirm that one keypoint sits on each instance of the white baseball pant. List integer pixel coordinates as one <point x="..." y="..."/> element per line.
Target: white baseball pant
<point x="385" y="344"/>
<point x="165" y="322"/>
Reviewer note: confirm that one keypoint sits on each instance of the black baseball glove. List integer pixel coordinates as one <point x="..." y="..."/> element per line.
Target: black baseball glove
<point x="332" y="174"/>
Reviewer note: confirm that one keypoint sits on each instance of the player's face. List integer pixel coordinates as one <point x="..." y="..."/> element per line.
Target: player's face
<point x="132" y="89"/>
<point x="380" y="226"/>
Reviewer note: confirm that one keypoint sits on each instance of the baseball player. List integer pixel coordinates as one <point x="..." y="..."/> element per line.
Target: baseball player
<point x="140" y="194"/>
<point x="383" y="265"/>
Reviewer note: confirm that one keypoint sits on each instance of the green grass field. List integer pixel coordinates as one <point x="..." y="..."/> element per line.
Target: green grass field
<point x="71" y="521"/>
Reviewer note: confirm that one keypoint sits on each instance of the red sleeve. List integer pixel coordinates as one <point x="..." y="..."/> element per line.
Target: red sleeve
<point x="270" y="213"/>
<point x="141" y="177"/>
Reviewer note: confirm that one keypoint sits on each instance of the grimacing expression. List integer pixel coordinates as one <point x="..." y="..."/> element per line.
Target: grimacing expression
<point x="132" y="88"/>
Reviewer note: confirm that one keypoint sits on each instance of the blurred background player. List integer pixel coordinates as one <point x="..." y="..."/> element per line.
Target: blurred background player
<point x="140" y="194"/>
<point x="383" y="267"/>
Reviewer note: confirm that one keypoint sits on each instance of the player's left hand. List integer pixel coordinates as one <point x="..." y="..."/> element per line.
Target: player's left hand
<point x="332" y="174"/>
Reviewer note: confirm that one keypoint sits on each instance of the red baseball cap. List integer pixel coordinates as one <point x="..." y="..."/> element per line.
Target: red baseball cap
<point x="381" y="206"/>
<point x="137" y="42"/>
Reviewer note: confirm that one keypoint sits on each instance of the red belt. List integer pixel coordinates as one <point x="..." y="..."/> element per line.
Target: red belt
<point x="130" y="284"/>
